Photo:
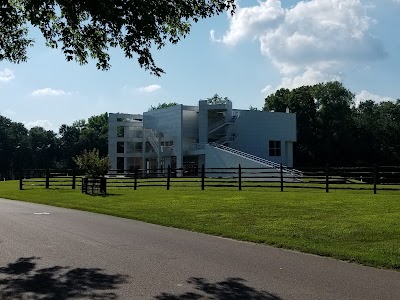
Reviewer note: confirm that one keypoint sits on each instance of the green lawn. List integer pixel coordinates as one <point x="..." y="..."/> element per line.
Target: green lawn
<point x="351" y="225"/>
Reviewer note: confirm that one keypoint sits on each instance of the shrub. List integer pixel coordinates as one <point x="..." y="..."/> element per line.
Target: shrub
<point x="91" y="163"/>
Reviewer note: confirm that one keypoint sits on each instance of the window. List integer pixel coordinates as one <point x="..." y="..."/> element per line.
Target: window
<point x="120" y="147"/>
<point x="274" y="148"/>
<point x="138" y="147"/>
<point x="138" y="133"/>
<point x="120" y="164"/>
<point x="120" y="131"/>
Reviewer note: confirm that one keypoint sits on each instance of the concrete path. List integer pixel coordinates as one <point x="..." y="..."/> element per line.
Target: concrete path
<point x="54" y="253"/>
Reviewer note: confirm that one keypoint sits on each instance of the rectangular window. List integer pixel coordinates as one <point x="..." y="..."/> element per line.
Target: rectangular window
<point x="120" y="147"/>
<point x="138" y="147"/>
<point x="274" y="148"/>
<point x="138" y="133"/>
<point x="120" y="131"/>
<point x="120" y="164"/>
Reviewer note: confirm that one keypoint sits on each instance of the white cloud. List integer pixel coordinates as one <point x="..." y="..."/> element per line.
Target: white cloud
<point x="6" y="75"/>
<point x="46" y="124"/>
<point x="309" y="42"/>
<point x="149" y="89"/>
<point x="365" y="95"/>
<point x="50" y="92"/>
<point x="248" y="22"/>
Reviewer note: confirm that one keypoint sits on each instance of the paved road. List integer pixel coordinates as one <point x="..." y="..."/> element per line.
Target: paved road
<point x="54" y="254"/>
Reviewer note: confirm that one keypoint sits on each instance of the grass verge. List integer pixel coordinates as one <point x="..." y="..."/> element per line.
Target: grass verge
<point x="350" y="225"/>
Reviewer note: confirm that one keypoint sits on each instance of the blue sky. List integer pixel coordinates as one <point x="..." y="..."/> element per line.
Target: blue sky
<point x="265" y="46"/>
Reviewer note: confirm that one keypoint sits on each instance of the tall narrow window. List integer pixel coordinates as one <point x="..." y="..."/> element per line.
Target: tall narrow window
<point x="120" y="147"/>
<point x="274" y="148"/>
<point x="120" y="164"/>
<point x="120" y="131"/>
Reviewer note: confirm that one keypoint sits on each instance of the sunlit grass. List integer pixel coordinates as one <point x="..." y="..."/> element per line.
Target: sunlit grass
<point x="351" y="225"/>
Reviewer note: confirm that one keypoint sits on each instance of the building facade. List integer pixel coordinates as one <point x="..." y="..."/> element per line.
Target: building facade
<point x="213" y="134"/>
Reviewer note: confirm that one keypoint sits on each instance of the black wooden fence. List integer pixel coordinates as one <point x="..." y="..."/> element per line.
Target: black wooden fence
<point x="327" y="178"/>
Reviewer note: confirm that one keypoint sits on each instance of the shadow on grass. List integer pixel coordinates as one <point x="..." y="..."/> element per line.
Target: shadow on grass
<point x="229" y="289"/>
<point x="23" y="280"/>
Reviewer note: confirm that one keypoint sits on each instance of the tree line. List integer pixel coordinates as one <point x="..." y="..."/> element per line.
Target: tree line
<point x="38" y="148"/>
<point x="332" y="129"/>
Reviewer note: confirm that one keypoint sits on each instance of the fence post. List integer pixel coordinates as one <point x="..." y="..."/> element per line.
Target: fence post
<point x="375" y="177"/>
<point x="327" y="178"/>
<point x="20" y="179"/>
<point x="240" y="177"/>
<point x="47" y="178"/>
<point x="103" y="185"/>
<point x="203" y="171"/>
<point x="281" y="171"/>
<point x="135" y="179"/>
<point x="73" y="179"/>
<point x="168" y="177"/>
<point x="84" y="185"/>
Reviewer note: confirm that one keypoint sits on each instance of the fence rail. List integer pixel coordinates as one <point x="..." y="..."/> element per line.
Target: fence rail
<point x="375" y="178"/>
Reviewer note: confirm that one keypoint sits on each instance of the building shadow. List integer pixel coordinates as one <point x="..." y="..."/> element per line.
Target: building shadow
<point x="24" y="280"/>
<point x="229" y="289"/>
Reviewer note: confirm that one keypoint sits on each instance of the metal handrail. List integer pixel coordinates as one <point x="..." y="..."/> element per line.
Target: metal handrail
<point x="257" y="159"/>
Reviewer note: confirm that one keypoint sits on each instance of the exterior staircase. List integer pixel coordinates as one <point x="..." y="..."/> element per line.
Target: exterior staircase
<point x="221" y="123"/>
<point x="152" y="138"/>
<point x="267" y="163"/>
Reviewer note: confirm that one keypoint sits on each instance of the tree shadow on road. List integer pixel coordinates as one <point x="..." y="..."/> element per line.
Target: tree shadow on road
<point x="229" y="289"/>
<point x="24" y="280"/>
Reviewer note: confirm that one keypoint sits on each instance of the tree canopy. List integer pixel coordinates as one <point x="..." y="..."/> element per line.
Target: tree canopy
<point x="84" y="29"/>
<point x="217" y="99"/>
<point x="332" y="129"/>
<point x="162" y="105"/>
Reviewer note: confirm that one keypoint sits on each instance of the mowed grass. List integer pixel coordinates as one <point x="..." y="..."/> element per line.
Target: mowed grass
<point x="356" y="226"/>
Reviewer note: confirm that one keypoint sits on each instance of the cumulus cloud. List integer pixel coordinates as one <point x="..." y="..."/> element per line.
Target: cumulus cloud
<point x="50" y="92"/>
<point x="46" y="124"/>
<point x="365" y="95"/>
<point x="149" y="89"/>
<point x="251" y="21"/>
<point x="309" y="42"/>
<point x="6" y="75"/>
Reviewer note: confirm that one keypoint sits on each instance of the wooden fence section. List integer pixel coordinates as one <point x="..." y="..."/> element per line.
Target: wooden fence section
<point x="48" y="178"/>
<point x="328" y="178"/>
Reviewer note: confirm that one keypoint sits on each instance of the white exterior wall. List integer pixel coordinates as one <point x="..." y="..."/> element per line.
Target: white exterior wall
<point x="131" y="126"/>
<point x="169" y="122"/>
<point x="256" y="128"/>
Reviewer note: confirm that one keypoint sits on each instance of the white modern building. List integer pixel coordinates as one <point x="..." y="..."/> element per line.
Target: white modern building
<point x="186" y="137"/>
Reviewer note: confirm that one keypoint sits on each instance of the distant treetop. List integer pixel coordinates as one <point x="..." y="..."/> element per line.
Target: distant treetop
<point x="162" y="105"/>
<point x="216" y="99"/>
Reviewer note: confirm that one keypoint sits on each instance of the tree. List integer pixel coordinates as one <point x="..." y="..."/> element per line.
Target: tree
<point x="91" y="163"/>
<point x="301" y="102"/>
<point x="13" y="147"/>
<point x="44" y="147"/>
<point x="325" y="125"/>
<point x="253" y="108"/>
<point x="83" y="134"/>
<point x="216" y="99"/>
<point x="86" y="29"/>
<point x="162" y="105"/>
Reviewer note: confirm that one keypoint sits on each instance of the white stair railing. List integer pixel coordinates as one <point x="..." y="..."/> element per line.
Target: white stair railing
<point x="222" y="122"/>
<point x="152" y="138"/>
<point x="257" y="159"/>
<point x="226" y="139"/>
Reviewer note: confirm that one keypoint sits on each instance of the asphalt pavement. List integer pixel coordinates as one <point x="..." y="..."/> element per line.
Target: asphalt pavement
<point x="55" y="254"/>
